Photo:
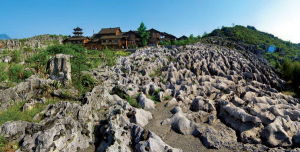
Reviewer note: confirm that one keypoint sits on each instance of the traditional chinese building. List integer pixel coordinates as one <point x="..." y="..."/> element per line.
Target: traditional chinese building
<point x="108" y="38"/>
<point x="77" y="38"/>
<point x="114" y="38"/>
<point x="133" y="39"/>
<point x="156" y="37"/>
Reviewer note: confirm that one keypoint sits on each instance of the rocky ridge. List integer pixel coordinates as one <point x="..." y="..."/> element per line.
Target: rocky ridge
<point x="228" y="99"/>
<point x="40" y="41"/>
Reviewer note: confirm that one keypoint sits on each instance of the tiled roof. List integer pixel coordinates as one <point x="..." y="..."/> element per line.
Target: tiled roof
<point x="109" y="30"/>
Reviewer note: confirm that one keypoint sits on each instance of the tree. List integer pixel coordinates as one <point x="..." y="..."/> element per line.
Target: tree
<point x="144" y="34"/>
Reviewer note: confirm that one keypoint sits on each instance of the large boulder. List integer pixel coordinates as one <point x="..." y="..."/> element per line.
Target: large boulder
<point x="180" y="123"/>
<point x="282" y="132"/>
<point x="145" y="103"/>
<point x="59" y="68"/>
<point x="141" y="117"/>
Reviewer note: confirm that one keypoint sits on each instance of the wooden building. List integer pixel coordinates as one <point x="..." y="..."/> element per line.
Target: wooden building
<point x="108" y="38"/>
<point x="156" y="37"/>
<point x="77" y="38"/>
<point x="113" y="38"/>
<point x="133" y="39"/>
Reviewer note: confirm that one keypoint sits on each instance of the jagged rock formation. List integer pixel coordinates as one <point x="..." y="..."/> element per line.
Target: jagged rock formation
<point x="59" y="68"/>
<point x="32" y="87"/>
<point x="40" y="41"/>
<point x="228" y="99"/>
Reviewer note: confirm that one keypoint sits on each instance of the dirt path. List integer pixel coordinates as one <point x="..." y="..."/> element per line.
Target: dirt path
<point x="187" y="143"/>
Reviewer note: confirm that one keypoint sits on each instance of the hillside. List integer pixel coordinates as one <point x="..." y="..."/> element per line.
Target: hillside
<point x="260" y="41"/>
<point x="4" y="37"/>
<point x="198" y="97"/>
<point x="40" y="41"/>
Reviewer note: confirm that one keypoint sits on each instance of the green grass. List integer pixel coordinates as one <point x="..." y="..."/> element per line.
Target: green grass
<point x="155" y="73"/>
<point x="155" y="96"/>
<point x="3" y="142"/>
<point x="15" y="113"/>
<point x="167" y="97"/>
<point x="36" y="63"/>
<point x="261" y="40"/>
<point x="133" y="101"/>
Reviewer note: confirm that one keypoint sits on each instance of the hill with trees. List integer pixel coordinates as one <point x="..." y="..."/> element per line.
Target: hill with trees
<point x="282" y="55"/>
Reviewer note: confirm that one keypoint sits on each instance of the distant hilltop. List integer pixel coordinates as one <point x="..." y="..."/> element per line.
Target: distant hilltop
<point x="40" y="41"/>
<point x="4" y="37"/>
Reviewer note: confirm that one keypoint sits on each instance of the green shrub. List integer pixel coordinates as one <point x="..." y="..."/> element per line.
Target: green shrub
<point x="17" y="73"/>
<point x="88" y="81"/>
<point x="84" y="83"/>
<point x="155" y="96"/>
<point x="190" y="40"/>
<point x="3" y="74"/>
<point x="3" y="142"/>
<point x="17" y="56"/>
<point x="132" y="101"/>
<point x="167" y="97"/>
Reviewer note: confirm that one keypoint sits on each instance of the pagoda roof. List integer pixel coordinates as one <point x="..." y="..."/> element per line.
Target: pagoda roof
<point x="77" y="29"/>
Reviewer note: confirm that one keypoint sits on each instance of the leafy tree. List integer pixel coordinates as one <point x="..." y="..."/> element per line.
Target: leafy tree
<point x="144" y="34"/>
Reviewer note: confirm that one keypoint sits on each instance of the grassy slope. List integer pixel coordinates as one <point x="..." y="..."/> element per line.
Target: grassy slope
<point x="262" y="40"/>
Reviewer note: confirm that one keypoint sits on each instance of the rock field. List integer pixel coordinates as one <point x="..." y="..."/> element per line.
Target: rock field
<point x="207" y="98"/>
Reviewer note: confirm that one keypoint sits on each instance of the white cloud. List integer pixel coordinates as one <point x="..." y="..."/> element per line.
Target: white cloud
<point x="281" y="18"/>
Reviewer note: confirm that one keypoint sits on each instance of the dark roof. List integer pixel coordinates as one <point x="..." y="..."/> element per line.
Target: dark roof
<point x="183" y="37"/>
<point x="77" y="29"/>
<point x="135" y="32"/>
<point x="109" y="30"/>
<point x="131" y="32"/>
<point x="169" y="35"/>
<point x="154" y="30"/>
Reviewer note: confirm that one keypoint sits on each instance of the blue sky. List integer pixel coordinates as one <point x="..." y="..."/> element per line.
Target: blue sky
<point x="25" y="18"/>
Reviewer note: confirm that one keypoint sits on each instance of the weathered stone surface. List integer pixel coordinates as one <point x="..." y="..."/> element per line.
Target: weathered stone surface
<point x="142" y="117"/>
<point x="40" y="41"/>
<point x="180" y="123"/>
<point x="218" y="95"/>
<point x="14" y="130"/>
<point x="59" y="68"/>
<point x="213" y="138"/>
<point x="31" y="103"/>
<point x="281" y="132"/>
<point x="146" y="103"/>
<point x="32" y="87"/>
<point x="145" y="140"/>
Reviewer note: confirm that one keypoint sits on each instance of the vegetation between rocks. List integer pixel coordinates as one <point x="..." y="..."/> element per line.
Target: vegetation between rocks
<point x="190" y="40"/>
<point x="15" y="113"/>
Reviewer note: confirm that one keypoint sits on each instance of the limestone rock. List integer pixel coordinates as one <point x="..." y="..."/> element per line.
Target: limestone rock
<point x="180" y="123"/>
<point x="146" y="103"/>
<point x="59" y="68"/>
<point x="148" y="141"/>
<point x="32" y="87"/>
<point x="14" y="130"/>
<point x="142" y="117"/>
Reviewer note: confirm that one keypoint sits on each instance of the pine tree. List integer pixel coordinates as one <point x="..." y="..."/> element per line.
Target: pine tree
<point x="144" y="34"/>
